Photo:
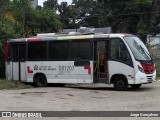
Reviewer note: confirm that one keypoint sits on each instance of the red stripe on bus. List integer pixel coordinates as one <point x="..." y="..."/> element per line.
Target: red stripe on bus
<point x="29" y="70"/>
<point x="34" y="39"/>
<point x="88" y="68"/>
<point x="149" y="69"/>
<point x="6" y="51"/>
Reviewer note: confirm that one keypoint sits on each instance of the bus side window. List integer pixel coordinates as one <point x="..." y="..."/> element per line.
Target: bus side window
<point x="119" y="51"/>
<point x="113" y="53"/>
<point x="15" y="53"/>
<point x="81" y="50"/>
<point x="59" y="50"/>
<point x="37" y="50"/>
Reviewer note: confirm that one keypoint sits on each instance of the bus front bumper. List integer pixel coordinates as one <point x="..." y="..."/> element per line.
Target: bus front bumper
<point x="142" y="78"/>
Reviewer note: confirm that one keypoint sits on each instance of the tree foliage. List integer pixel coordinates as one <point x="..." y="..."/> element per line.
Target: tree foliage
<point x="36" y="20"/>
<point x="19" y="19"/>
<point x="52" y="4"/>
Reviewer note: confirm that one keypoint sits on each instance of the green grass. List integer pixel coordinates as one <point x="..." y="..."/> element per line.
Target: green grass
<point x="158" y="77"/>
<point x="10" y="85"/>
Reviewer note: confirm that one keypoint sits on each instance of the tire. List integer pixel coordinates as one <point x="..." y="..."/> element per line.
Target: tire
<point x="120" y="83"/>
<point x="136" y="86"/>
<point x="40" y="80"/>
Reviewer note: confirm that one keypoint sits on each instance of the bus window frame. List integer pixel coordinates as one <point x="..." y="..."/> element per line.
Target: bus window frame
<point x="69" y="43"/>
<point x="91" y="49"/>
<point x="111" y="59"/>
<point x="28" y="59"/>
<point x="48" y="47"/>
<point x="95" y="40"/>
<point x="10" y="51"/>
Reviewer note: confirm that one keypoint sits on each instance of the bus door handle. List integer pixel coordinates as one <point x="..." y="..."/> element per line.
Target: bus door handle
<point x="81" y="63"/>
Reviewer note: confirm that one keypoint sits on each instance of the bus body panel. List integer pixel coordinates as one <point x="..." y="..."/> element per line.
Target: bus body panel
<point x="60" y="71"/>
<point x="12" y="71"/>
<point x="8" y="70"/>
<point x="141" y="78"/>
<point x="23" y="71"/>
<point x="122" y="69"/>
<point x="15" y="71"/>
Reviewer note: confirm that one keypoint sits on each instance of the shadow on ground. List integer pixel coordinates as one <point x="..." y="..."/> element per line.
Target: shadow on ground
<point x="103" y="87"/>
<point x="143" y="88"/>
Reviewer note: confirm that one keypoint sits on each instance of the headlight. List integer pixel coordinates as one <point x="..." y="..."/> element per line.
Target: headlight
<point x="140" y="69"/>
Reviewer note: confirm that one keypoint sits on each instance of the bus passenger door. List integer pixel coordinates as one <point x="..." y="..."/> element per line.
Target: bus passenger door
<point x="101" y="61"/>
<point x="18" y="64"/>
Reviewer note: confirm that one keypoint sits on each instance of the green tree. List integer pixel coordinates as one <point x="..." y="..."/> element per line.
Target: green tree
<point x="3" y="7"/>
<point x="86" y="14"/>
<point x="67" y="14"/>
<point x="6" y="32"/>
<point x="52" y="4"/>
<point x="19" y="19"/>
<point x="35" y="20"/>
<point x="121" y="15"/>
<point x="48" y="20"/>
<point x="142" y="30"/>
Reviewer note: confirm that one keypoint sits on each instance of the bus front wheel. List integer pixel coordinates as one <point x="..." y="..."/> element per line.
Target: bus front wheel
<point x="40" y="80"/>
<point x="120" y="83"/>
<point x="136" y="86"/>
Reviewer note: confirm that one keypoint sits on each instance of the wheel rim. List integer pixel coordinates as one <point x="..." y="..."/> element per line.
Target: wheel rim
<point x="41" y="81"/>
<point x="120" y="84"/>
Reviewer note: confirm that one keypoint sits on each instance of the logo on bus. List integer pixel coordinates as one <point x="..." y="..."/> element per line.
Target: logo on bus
<point x="36" y="67"/>
<point x="43" y="67"/>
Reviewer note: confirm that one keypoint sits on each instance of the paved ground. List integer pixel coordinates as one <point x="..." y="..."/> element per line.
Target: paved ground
<point x="97" y="97"/>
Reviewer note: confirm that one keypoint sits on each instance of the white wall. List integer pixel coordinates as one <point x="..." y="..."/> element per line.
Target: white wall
<point x="153" y="40"/>
<point x="34" y="3"/>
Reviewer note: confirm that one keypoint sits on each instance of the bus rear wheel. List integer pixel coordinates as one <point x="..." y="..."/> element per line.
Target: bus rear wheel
<point x="120" y="83"/>
<point x="40" y="80"/>
<point x="136" y="86"/>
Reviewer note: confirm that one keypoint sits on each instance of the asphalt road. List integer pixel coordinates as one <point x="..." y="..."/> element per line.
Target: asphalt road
<point x="95" y="97"/>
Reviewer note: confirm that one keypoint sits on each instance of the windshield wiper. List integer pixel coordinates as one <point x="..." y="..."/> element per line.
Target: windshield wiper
<point x="148" y="55"/>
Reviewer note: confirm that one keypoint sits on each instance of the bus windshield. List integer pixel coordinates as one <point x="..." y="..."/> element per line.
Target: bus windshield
<point x="138" y="48"/>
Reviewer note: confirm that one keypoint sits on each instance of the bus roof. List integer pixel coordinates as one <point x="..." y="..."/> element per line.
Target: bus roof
<point x="49" y="37"/>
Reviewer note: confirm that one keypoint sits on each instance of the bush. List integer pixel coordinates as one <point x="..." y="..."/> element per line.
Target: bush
<point x="6" y="32"/>
<point x="156" y="57"/>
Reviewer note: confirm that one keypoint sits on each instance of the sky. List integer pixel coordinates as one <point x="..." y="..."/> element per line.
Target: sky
<point x="40" y="2"/>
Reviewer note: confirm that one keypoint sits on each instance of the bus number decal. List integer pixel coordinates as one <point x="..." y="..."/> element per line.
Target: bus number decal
<point x="65" y="69"/>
